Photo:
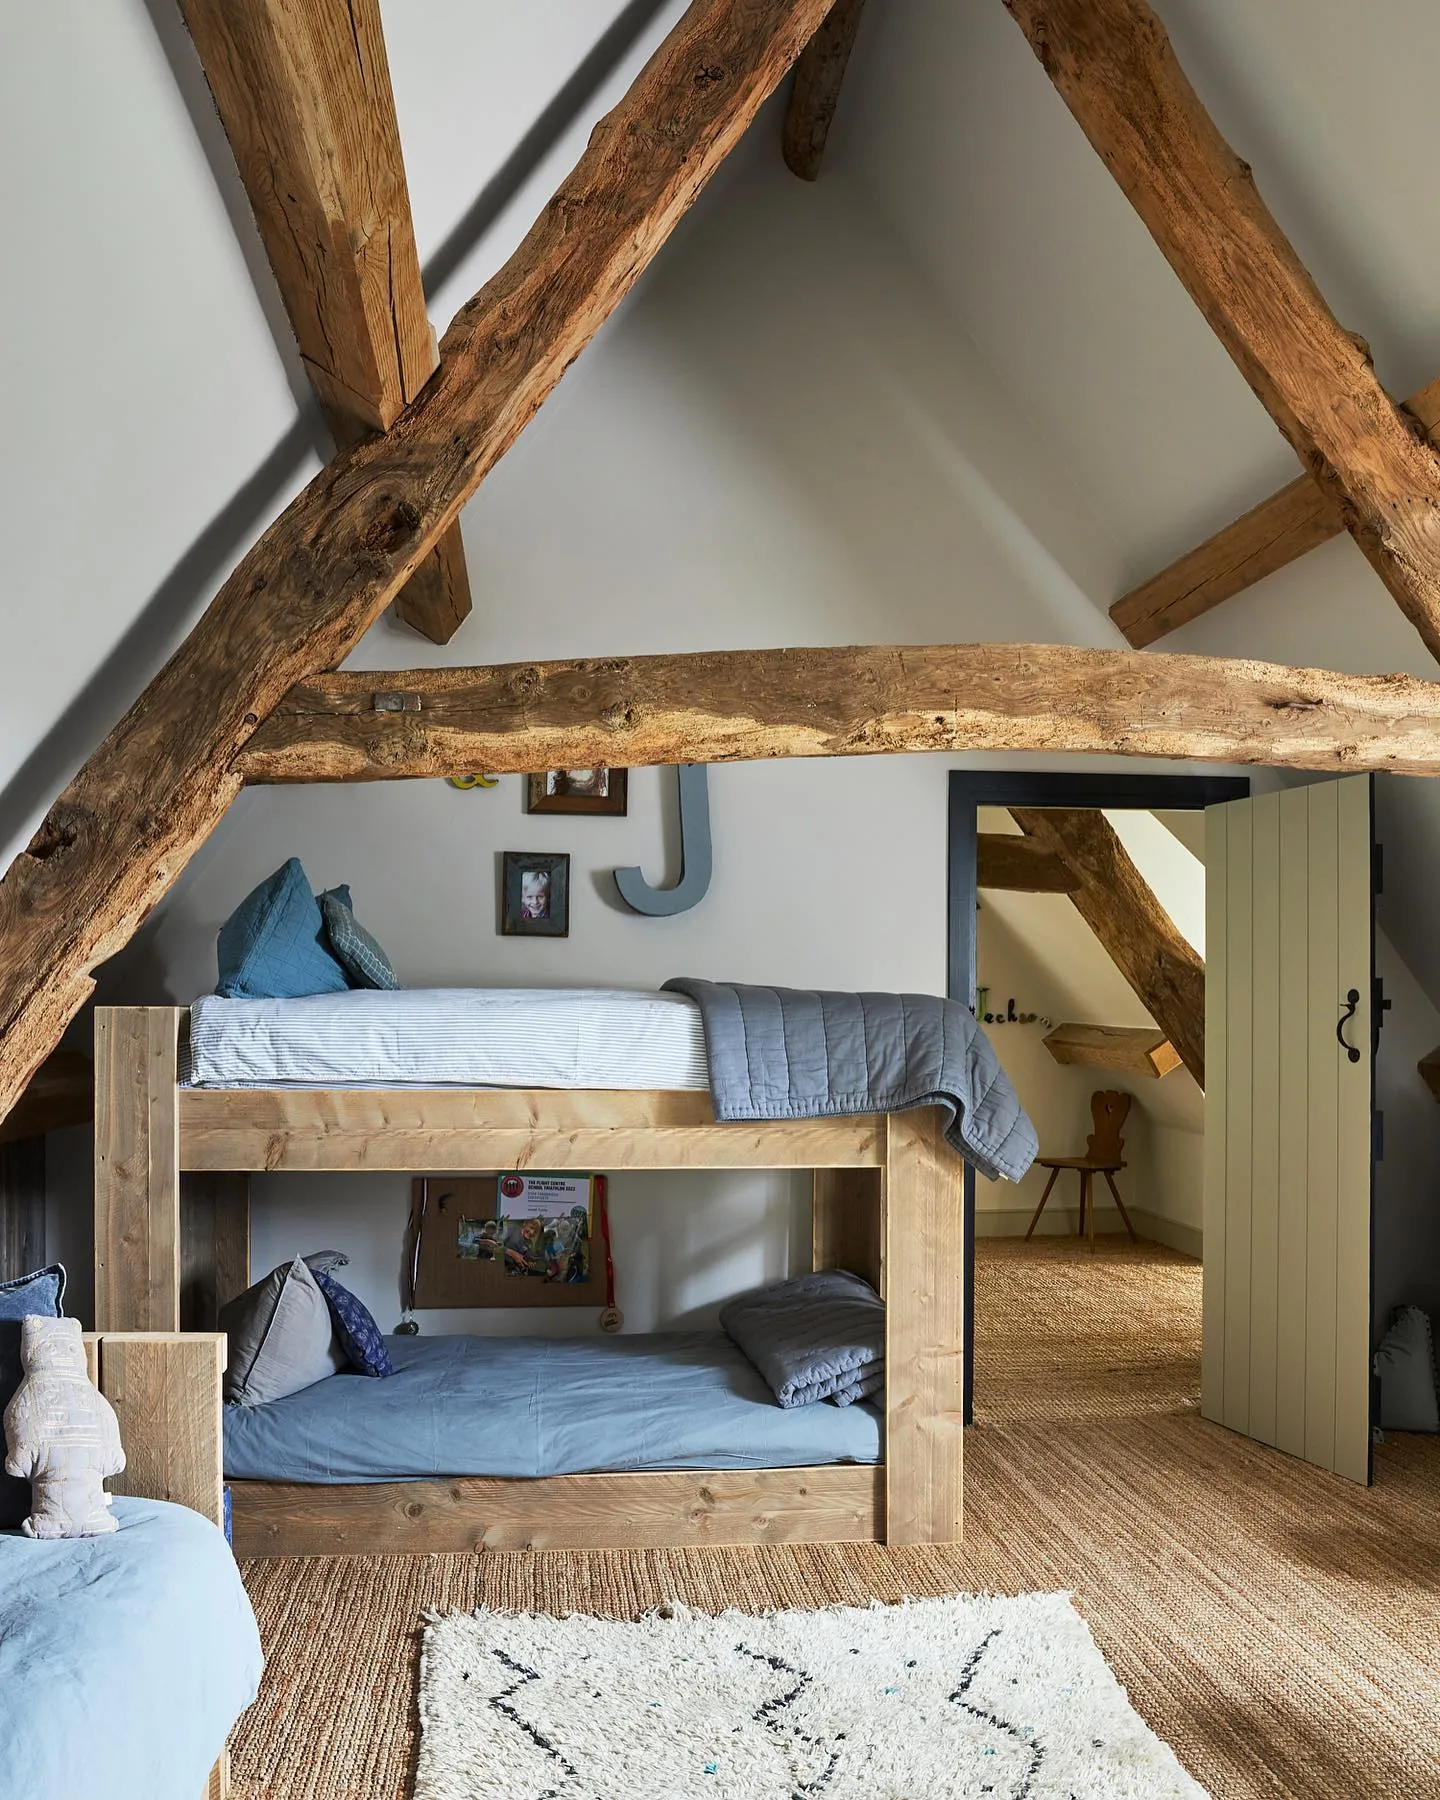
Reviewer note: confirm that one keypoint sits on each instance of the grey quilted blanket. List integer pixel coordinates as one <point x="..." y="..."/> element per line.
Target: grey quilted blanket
<point x="816" y="1337"/>
<point x="792" y="1053"/>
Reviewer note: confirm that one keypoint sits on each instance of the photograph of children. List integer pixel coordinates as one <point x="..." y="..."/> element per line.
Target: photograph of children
<point x="550" y="1249"/>
<point x="479" y="1240"/>
<point x="599" y="790"/>
<point x="534" y="894"/>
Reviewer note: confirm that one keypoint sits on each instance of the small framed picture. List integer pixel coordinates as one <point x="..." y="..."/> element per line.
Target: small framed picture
<point x="601" y="790"/>
<point x="535" y="894"/>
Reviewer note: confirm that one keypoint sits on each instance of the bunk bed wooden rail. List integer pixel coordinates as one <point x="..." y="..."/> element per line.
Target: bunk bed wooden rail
<point x="887" y="1204"/>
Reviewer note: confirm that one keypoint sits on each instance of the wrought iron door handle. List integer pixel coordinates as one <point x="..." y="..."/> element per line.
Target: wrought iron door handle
<point x="1352" y="1000"/>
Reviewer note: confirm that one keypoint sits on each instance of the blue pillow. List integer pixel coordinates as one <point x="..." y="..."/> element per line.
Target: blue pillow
<point x="364" y="961"/>
<point x="24" y="1297"/>
<point x="360" y="1337"/>
<point x="272" y="947"/>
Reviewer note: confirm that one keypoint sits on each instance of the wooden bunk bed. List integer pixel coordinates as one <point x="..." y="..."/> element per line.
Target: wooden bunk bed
<point x="171" y="1235"/>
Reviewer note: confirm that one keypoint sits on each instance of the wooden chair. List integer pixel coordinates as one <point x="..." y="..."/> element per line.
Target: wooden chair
<point x="1102" y="1157"/>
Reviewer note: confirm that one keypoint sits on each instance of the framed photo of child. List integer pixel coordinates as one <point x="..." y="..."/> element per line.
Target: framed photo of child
<point x="598" y="790"/>
<point x="534" y="894"/>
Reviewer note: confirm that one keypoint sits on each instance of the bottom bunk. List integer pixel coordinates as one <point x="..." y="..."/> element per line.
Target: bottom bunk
<point x="505" y="1443"/>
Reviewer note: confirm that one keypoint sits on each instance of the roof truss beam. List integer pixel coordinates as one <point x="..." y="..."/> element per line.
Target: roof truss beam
<point x="1137" y="934"/>
<point x="738" y="705"/>
<point x="1280" y="530"/>
<point x="303" y="91"/>
<point x="816" y="93"/>
<point x="1114" y="67"/>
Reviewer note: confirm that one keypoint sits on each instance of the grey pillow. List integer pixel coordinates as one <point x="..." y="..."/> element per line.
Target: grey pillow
<point x="1405" y="1363"/>
<point x="281" y="1336"/>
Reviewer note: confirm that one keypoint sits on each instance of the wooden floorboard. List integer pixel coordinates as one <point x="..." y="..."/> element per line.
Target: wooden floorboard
<point x="1277" y="1625"/>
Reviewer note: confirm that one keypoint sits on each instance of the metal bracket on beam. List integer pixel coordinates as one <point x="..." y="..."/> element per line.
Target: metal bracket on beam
<point x="395" y="703"/>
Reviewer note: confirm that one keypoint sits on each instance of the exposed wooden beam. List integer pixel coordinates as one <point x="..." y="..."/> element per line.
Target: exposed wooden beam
<point x="1280" y="530"/>
<point x="1137" y="934"/>
<point x="734" y="705"/>
<point x="303" y="91"/>
<point x="119" y="835"/>
<point x="1114" y="67"/>
<point x="61" y="1093"/>
<point x="1138" y="1050"/>
<point x="1019" y="864"/>
<point x="816" y="92"/>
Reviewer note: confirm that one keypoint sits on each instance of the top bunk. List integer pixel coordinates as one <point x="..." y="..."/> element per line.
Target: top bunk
<point x="704" y="1074"/>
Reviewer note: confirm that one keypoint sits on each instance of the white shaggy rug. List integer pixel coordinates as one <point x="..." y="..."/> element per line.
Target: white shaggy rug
<point x="931" y="1700"/>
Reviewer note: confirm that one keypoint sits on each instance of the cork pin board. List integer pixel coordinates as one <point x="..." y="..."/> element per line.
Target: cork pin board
<point x="452" y="1213"/>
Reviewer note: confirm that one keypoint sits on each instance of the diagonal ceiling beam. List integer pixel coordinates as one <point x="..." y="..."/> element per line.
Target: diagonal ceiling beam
<point x="1136" y="933"/>
<point x="1114" y="67"/>
<point x="1280" y="530"/>
<point x="727" y="705"/>
<point x="303" y="91"/>
<point x="117" y="838"/>
<point x="816" y="93"/>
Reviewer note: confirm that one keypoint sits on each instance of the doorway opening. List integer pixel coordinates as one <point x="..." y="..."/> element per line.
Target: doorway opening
<point x="1077" y="923"/>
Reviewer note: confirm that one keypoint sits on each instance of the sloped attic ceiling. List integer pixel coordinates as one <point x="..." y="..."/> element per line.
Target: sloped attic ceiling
<point x="953" y="132"/>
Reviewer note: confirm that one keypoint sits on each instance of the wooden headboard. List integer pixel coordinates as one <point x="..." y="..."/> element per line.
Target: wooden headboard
<point x="165" y="1388"/>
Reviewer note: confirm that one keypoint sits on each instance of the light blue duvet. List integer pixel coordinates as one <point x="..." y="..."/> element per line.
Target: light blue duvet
<point x="124" y="1660"/>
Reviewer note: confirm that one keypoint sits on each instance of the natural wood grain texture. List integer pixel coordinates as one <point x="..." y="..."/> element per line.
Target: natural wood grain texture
<point x="1019" y="865"/>
<point x="214" y="1245"/>
<point x="217" y="1785"/>
<point x="137" y="1169"/>
<point x="1136" y="932"/>
<point x="165" y="1388"/>
<point x="836" y="1503"/>
<point x="816" y="93"/>
<point x="1271" y="535"/>
<point x="845" y="1224"/>
<point x="22" y="1207"/>
<point x="468" y="1128"/>
<point x="1114" y="67"/>
<point x="1139" y="1050"/>
<point x="61" y="1093"/>
<point x="114" y="842"/>
<point x="303" y="91"/>
<point x="722" y="706"/>
<point x="924" y="1332"/>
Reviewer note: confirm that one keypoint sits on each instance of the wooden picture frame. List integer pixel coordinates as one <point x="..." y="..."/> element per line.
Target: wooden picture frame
<point x="535" y="894"/>
<point x="562" y="791"/>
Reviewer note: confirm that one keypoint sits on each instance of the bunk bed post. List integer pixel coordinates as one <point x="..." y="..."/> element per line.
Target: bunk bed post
<point x="845" y="1224"/>
<point x="924" y="1247"/>
<point x="137" y="1168"/>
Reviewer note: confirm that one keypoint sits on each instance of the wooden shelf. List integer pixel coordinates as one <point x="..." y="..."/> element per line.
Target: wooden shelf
<point x="61" y="1092"/>
<point x="1137" y="1050"/>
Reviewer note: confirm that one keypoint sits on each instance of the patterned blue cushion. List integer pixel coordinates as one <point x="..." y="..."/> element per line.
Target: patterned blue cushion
<point x="272" y="947"/>
<point x="360" y="1337"/>
<point x="365" y="962"/>
<point x="23" y="1297"/>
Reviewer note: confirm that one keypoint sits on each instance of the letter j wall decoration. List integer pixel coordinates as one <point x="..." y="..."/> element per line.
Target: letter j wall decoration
<point x="695" y="853"/>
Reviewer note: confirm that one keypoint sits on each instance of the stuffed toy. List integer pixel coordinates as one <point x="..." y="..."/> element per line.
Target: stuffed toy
<point x="62" y="1433"/>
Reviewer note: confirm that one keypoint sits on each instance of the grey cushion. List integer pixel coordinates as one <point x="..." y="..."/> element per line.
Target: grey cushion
<point x="1405" y="1363"/>
<point x="281" y="1335"/>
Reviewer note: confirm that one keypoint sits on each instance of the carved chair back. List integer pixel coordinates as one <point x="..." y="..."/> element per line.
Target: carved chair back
<point x="1109" y="1111"/>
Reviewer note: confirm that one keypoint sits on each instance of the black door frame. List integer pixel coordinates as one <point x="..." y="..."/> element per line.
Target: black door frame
<point x="969" y="790"/>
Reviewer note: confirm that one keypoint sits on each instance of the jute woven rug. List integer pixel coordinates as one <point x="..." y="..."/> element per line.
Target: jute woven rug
<point x="950" y="1699"/>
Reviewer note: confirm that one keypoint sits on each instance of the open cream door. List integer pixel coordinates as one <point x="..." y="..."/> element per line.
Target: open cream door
<point x="1289" y="1099"/>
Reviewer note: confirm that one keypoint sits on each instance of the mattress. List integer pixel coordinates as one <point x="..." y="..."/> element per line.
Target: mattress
<point x="542" y="1406"/>
<point x="124" y="1660"/>
<point x="444" y="1037"/>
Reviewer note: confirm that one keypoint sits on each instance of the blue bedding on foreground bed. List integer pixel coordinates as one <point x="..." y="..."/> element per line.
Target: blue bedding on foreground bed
<point x="124" y="1660"/>
<point x="542" y="1406"/>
